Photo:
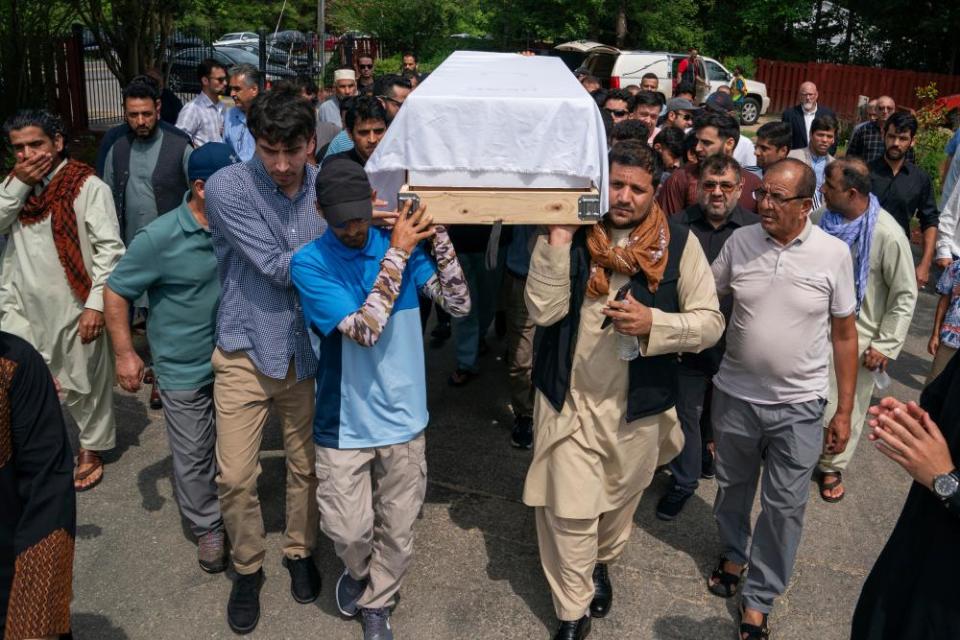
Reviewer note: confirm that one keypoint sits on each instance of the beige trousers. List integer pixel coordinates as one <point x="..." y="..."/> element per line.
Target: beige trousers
<point x="520" y="332"/>
<point x="243" y="397"/>
<point x="940" y="361"/>
<point x="369" y="500"/>
<point x="93" y="411"/>
<point x="861" y="402"/>
<point x="570" y="548"/>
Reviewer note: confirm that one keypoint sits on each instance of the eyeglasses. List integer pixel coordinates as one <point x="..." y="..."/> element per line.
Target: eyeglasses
<point x="726" y="187"/>
<point x="393" y="100"/>
<point x="684" y="116"/>
<point x="620" y="113"/>
<point x="775" y="198"/>
<point x="366" y="66"/>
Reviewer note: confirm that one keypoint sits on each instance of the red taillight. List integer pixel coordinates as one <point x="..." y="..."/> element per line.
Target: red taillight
<point x="614" y="82"/>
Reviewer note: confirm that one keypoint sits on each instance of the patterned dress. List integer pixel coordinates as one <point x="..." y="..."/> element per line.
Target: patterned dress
<point x="37" y="498"/>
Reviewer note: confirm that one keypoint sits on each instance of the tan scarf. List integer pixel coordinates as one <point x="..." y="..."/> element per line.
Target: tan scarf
<point x="56" y="202"/>
<point x="646" y="251"/>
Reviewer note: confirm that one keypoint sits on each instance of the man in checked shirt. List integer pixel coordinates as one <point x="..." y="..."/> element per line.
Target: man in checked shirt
<point x="260" y="212"/>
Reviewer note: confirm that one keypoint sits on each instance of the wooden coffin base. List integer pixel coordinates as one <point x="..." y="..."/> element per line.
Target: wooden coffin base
<point x="509" y="206"/>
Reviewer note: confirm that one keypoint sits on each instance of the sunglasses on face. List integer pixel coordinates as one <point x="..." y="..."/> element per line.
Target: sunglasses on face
<point x="725" y="187"/>
<point x="620" y="113"/>
<point x="366" y="66"/>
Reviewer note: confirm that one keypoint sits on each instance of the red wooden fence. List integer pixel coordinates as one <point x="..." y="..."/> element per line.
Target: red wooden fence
<point x="840" y="85"/>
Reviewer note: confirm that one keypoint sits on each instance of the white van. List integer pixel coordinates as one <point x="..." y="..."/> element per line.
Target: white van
<point x="619" y="69"/>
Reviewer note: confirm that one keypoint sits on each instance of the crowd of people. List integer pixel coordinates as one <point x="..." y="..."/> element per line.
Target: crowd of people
<point x="268" y="278"/>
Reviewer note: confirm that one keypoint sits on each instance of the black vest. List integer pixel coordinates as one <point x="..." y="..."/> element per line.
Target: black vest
<point x="653" y="380"/>
<point x="168" y="179"/>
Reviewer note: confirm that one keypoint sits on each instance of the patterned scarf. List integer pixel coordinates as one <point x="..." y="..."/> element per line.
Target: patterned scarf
<point x="646" y="251"/>
<point x="859" y="232"/>
<point x="56" y="202"/>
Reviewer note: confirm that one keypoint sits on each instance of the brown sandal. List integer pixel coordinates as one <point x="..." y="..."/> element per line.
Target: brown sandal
<point x="92" y="458"/>
<point x="826" y="485"/>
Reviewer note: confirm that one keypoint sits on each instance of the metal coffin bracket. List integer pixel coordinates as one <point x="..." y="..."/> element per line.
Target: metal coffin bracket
<point x="588" y="207"/>
<point x="404" y="197"/>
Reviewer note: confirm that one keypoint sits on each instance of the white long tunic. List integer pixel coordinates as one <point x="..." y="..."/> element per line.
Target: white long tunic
<point x="36" y="302"/>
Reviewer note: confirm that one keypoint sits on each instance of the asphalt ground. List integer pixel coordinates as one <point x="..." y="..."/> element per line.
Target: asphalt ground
<point x="476" y="572"/>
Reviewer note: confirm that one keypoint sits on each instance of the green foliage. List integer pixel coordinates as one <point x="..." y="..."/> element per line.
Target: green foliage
<point x="931" y="137"/>
<point x="421" y="25"/>
<point x="748" y="63"/>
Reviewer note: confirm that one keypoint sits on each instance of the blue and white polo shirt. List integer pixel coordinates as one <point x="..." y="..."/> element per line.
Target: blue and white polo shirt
<point x="366" y="396"/>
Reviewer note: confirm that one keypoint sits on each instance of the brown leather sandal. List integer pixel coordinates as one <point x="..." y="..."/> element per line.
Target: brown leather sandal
<point x="92" y="458"/>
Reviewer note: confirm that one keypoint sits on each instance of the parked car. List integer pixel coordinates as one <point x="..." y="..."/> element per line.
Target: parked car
<point x="618" y="69"/>
<point x="278" y="56"/>
<point x="180" y="40"/>
<point x="239" y="37"/>
<point x="289" y="40"/>
<point x="183" y="66"/>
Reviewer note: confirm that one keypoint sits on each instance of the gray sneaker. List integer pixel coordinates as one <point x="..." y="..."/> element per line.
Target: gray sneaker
<point x="348" y="591"/>
<point x="376" y="624"/>
<point x="211" y="552"/>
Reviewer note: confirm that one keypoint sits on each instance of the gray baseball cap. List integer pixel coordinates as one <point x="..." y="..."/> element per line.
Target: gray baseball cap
<point x="680" y="104"/>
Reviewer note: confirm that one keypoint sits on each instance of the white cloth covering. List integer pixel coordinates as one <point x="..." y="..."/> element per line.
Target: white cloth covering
<point x="496" y="120"/>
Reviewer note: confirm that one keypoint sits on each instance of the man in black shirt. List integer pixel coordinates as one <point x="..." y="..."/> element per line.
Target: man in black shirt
<point x="712" y="220"/>
<point x="904" y="189"/>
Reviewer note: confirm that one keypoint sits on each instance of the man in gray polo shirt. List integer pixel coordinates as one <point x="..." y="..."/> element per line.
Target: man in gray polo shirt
<point x="793" y="295"/>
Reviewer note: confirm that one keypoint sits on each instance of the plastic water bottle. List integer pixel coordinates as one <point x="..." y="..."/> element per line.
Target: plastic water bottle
<point x="628" y="347"/>
<point x="881" y="379"/>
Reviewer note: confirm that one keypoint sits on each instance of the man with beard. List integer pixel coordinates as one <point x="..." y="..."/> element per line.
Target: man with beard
<point x="886" y="294"/>
<point x="365" y="77"/>
<point x="715" y="133"/>
<point x="391" y="91"/>
<point x="147" y="168"/>
<point x="801" y="117"/>
<point x="823" y="133"/>
<point x="359" y="286"/>
<point x="63" y="243"/>
<point x="633" y="284"/>
<point x="869" y="141"/>
<point x="344" y="86"/>
<point x="712" y="220"/>
<point x="904" y="189"/>
<point x="244" y="86"/>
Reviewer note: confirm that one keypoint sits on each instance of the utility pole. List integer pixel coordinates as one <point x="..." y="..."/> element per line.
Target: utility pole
<point x="321" y="25"/>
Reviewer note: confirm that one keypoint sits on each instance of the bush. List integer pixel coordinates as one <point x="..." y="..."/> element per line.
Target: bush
<point x="931" y="138"/>
<point x="748" y="63"/>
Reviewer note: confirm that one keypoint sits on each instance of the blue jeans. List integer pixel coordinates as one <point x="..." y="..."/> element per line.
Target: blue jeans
<point x="483" y="286"/>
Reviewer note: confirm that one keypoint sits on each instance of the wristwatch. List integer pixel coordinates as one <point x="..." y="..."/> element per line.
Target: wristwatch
<point x="946" y="485"/>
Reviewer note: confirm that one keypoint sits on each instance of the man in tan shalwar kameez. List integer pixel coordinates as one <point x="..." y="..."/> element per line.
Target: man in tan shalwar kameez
<point x="64" y="240"/>
<point x="602" y="425"/>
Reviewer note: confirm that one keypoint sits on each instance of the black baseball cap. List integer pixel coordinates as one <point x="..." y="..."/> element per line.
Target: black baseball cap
<point x="343" y="192"/>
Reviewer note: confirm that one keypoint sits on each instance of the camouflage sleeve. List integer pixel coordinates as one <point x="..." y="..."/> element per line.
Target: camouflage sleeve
<point x="449" y="287"/>
<point x="365" y="325"/>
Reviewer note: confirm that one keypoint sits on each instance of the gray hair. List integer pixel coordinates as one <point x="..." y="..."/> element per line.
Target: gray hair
<point x="250" y="73"/>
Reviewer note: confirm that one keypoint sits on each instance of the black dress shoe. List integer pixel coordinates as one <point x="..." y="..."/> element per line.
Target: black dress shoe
<point x="243" y="608"/>
<point x="602" y="592"/>
<point x="304" y="579"/>
<point x="574" y="630"/>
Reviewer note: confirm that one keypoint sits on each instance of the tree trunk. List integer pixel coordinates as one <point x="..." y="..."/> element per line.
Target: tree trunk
<point x="848" y="37"/>
<point x="817" y="17"/>
<point x="621" y="22"/>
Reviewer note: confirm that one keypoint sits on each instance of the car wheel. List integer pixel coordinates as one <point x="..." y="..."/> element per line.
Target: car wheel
<point x="749" y="112"/>
<point x="174" y="83"/>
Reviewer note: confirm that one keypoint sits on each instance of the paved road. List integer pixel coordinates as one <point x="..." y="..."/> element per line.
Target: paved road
<point x="476" y="573"/>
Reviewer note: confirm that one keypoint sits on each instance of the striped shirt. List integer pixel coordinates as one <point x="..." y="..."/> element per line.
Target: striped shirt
<point x="256" y="228"/>
<point x="202" y="120"/>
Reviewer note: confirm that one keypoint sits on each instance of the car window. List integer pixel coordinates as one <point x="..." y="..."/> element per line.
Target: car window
<point x="600" y="64"/>
<point x="716" y="72"/>
<point x="188" y="56"/>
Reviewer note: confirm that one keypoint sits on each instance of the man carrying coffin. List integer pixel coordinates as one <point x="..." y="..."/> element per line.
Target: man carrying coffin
<point x="602" y="424"/>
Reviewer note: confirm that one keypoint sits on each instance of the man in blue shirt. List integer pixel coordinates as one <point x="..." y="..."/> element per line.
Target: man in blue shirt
<point x="358" y="285"/>
<point x="261" y="211"/>
<point x="244" y="87"/>
<point x="171" y="260"/>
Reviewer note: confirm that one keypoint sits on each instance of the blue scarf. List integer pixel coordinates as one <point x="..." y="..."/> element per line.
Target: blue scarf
<point x="860" y="231"/>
